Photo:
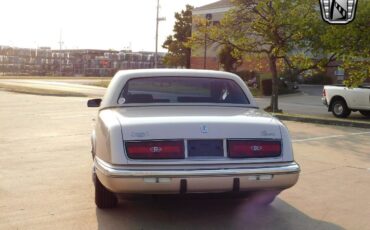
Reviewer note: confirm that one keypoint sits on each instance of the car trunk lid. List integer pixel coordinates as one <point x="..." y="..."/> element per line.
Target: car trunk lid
<point x="196" y="122"/>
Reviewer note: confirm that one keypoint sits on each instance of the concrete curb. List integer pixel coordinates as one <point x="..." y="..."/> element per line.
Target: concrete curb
<point x="324" y="121"/>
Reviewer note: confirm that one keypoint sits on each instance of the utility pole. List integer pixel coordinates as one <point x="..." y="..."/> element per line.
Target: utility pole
<point x="208" y="20"/>
<point x="158" y="19"/>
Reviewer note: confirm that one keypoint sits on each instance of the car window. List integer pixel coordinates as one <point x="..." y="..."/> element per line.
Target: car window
<point x="182" y="90"/>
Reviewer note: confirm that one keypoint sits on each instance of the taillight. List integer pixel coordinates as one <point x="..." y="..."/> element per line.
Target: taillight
<point x="155" y="150"/>
<point x="253" y="148"/>
<point x="323" y="93"/>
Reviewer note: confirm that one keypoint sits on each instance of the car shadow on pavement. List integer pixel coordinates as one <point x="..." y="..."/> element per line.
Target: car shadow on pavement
<point x="178" y="213"/>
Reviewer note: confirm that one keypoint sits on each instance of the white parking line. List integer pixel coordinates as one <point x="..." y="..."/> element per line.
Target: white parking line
<point x="329" y="137"/>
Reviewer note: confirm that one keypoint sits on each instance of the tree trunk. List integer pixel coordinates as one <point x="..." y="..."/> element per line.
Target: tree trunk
<point x="274" y="106"/>
<point x="188" y="58"/>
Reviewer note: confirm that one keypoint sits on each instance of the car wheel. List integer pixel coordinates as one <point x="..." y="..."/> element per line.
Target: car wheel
<point x="103" y="197"/>
<point x="366" y="113"/>
<point x="264" y="197"/>
<point x="339" y="109"/>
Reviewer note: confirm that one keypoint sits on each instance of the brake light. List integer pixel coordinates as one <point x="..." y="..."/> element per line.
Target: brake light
<point x="253" y="148"/>
<point x="323" y="93"/>
<point x="155" y="150"/>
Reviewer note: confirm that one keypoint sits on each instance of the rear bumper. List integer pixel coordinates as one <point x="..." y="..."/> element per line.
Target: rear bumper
<point x="324" y="101"/>
<point x="120" y="180"/>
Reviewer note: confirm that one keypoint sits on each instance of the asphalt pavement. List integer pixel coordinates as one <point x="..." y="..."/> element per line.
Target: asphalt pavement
<point x="45" y="178"/>
<point x="307" y="102"/>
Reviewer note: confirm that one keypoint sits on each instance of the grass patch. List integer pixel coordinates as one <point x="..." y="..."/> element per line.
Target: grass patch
<point x="362" y="119"/>
<point x="43" y="92"/>
<point x="102" y="83"/>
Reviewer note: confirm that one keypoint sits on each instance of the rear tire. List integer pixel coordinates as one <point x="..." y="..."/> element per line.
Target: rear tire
<point x="103" y="197"/>
<point x="340" y="109"/>
<point x="366" y="113"/>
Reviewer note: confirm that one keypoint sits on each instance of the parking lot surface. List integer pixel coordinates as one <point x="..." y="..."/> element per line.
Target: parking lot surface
<point x="45" y="178"/>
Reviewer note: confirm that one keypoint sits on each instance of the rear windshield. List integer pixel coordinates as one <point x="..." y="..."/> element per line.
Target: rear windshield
<point x="182" y="90"/>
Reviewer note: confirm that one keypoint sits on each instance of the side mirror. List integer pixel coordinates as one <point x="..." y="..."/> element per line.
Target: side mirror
<point x="94" y="103"/>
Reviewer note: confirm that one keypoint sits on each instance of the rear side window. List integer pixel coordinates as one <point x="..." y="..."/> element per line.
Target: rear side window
<point x="182" y="90"/>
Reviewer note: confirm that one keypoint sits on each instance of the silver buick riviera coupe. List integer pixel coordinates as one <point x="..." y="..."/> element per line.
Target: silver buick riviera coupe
<point x="185" y="132"/>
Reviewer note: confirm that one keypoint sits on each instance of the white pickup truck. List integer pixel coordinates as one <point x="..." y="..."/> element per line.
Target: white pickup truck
<point x="341" y="101"/>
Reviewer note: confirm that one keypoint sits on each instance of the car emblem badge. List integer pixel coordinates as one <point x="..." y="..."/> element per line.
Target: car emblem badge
<point x="155" y="149"/>
<point x="265" y="133"/>
<point x="256" y="148"/>
<point x="203" y="129"/>
<point x="338" y="11"/>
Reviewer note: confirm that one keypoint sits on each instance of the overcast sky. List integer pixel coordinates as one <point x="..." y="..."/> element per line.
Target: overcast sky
<point x="94" y="24"/>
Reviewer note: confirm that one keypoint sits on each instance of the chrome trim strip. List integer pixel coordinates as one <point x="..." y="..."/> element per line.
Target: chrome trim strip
<point x="112" y="171"/>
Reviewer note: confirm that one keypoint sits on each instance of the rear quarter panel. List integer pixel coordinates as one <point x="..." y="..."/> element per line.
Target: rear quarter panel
<point x="109" y="140"/>
<point x="287" y="149"/>
<point x="335" y="91"/>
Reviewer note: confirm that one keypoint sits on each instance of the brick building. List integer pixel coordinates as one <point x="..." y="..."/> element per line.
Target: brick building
<point x="206" y="57"/>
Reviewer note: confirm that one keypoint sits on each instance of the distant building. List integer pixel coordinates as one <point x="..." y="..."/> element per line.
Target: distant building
<point x="84" y="62"/>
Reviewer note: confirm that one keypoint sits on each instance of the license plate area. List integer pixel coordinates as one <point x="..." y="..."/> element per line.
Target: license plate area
<point x="205" y="148"/>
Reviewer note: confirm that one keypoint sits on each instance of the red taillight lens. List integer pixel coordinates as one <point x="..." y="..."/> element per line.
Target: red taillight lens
<point x="253" y="148"/>
<point x="323" y="93"/>
<point x="155" y="150"/>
